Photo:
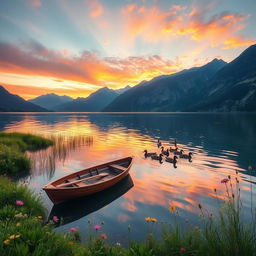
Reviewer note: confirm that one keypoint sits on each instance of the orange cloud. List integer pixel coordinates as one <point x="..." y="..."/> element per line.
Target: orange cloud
<point x="96" y="9"/>
<point x="237" y="42"/>
<point x="153" y="24"/>
<point x="35" y="60"/>
<point x="36" y="3"/>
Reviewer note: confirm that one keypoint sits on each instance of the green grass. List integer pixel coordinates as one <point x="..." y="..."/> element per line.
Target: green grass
<point x="12" y="148"/>
<point x="24" y="141"/>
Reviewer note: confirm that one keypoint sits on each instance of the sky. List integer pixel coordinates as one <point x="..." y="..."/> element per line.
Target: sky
<point x="75" y="47"/>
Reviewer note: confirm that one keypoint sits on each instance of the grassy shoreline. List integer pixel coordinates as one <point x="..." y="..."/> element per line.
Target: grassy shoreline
<point x="12" y="149"/>
<point x="24" y="232"/>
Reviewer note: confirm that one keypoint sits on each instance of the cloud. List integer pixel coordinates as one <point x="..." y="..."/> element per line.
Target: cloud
<point x="96" y="8"/>
<point x="35" y="3"/>
<point x="197" y="23"/>
<point x="34" y="59"/>
<point x="237" y="42"/>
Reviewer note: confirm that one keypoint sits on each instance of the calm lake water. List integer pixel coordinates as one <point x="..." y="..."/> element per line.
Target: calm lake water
<point x="221" y="144"/>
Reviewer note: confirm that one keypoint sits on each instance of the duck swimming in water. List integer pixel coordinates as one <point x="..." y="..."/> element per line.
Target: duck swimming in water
<point x="176" y="152"/>
<point x="172" y="160"/>
<point x="166" y="152"/>
<point x="156" y="157"/>
<point x="147" y="154"/>
<point x="186" y="156"/>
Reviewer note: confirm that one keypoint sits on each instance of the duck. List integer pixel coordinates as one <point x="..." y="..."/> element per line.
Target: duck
<point x="176" y="152"/>
<point x="146" y="154"/>
<point x="172" y="160"/>
<point x="156" y="157"/>
<point x="171" y="149"/>
<point x="166" y="152"/>
<point x="186" y="156"/>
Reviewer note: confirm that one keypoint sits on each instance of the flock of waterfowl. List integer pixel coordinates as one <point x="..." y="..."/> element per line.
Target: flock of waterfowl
<point x="167" y="154"/>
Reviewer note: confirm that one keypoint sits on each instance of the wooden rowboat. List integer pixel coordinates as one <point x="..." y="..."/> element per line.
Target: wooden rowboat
<point x="88" y="181"/>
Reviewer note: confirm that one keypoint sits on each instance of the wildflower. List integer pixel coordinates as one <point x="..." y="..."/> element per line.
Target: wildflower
<point x="73" y="229"/>
<point x="97" y="227"/>
<point x="17" y="236"/>
<point x="39" y="217"/>
<point x="71" y="242"/>
<point x="147" y="219"/>
<point x="55" y="219"/>
<point x="103" y="236"/>
<point x="172" y="208"/>
<point x="18" y="224"/>
<point x="7" y="241"/>
<point x="153" y="219"/>
<point x="224" y="181"/>
<point x="19" y="202"/>
<point x="182" y="250"/>
<point x="11" y="237"/>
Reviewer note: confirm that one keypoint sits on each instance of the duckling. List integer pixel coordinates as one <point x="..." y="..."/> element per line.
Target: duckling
<point x="188" y="156"/>
<point x="166" y="152"/>
<point x="146" y="154"/>
<point x="176" y="152"/>
<point x="156" y="157"/>
<point x="171" y="160"/>
<point x="172" y="149"/>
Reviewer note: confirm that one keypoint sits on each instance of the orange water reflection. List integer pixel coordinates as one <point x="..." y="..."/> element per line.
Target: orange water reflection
<point x="155" y="184"/>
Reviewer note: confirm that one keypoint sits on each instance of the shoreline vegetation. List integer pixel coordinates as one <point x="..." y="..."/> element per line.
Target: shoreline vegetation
<point x="23" y="230"/>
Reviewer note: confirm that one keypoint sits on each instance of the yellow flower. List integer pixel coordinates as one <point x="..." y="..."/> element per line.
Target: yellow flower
<point x="7" y="241"/>
<point x="11" y="237"/>
<point x="147" y="219"/>
<point x="18" y="224"/>
<point x="172" y="208"/>
<point x="17" y="236"/>
<point x="39" y="217"/>
<point x="153" y="219"/>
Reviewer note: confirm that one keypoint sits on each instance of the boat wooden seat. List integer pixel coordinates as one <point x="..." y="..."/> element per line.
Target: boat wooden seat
<point x="119" y="167"/>
<point x="76" y="182"/>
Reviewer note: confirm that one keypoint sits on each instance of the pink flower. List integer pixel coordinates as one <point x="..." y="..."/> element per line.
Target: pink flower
<point x="224" y="181"/>
<point x="73" y="229"/>
<point x="19" y="202"/>
<point x="103" y="236"/>
<point x="96" y="227"/>
<point x="182" y="249"/>
<point x="55" y="219"/>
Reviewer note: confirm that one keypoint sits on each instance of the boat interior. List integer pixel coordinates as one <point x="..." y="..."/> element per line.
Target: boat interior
<point x="94" y="175"/>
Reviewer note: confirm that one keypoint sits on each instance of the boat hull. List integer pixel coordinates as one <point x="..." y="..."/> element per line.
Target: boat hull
<point x="58" y="195"/>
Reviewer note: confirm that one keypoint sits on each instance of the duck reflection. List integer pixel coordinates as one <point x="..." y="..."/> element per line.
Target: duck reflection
<point x="73" y="210"/>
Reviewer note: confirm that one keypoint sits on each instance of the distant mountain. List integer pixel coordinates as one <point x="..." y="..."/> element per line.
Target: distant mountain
<point x="233" y="88"/>
<point x="93" y="103"/>
<point x="167" y="93"/>
<point x="122" y="90"/>
<point x="50" y="101"/>
<point x="14" y="103"/>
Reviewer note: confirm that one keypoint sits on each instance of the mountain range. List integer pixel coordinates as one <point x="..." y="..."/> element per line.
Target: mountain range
<point x="50" y="100"/>
<point x="14" y="103"/>
<point x="216" y="86"/>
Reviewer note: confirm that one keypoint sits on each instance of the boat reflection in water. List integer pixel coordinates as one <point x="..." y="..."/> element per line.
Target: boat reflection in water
<point x="77" y="208"/>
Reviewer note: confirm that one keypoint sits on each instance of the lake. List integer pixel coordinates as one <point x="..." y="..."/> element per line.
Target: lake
<point x="222" y="144"/>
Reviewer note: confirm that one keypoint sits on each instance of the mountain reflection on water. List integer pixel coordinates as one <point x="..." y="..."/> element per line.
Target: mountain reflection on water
<point x="221" y="144"/>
